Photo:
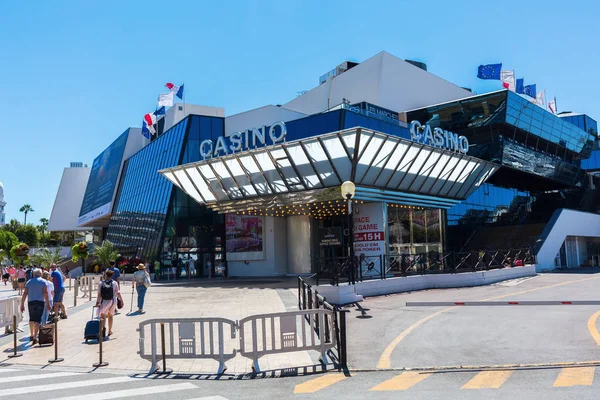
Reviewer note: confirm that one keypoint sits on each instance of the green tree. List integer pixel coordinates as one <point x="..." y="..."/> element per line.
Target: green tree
<point x="105" y="253"/>
<point x="12" y="226"/>
<point x="26" y="209"/>
<point x="27" y="234"/>
<point x="7" y="240"/>
<point x="43" y="225"/>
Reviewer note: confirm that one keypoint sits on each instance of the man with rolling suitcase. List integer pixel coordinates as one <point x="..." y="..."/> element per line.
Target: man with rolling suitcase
<point x="37" y="293"/>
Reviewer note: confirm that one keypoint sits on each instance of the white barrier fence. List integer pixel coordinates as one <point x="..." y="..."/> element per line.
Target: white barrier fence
<point x="10" y="307"/>
<point x="259" y="335"/>
<point x="189" y="338"/>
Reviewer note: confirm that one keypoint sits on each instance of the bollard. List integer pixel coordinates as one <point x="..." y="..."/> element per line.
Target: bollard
<point x="342" y="344"/>
<point x="69" y="282"/>
<point x="15" y="354"/>
<point x="100" y="340"/>
<point x="164" y="357"/>
<point x="90" y="288"/>
<point x="56" y="359"/>
<point x="76" y="293"/>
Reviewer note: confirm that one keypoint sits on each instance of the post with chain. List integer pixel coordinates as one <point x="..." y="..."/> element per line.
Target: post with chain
<point x="15" y="354"/>
<point x="56" y="359"/>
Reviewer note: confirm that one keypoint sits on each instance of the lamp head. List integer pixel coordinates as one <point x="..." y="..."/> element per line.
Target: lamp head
<point x="348" y="190"/>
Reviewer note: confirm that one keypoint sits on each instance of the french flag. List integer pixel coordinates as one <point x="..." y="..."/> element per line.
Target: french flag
<point x="174" y="88"/>
<point x="149" y="121"/>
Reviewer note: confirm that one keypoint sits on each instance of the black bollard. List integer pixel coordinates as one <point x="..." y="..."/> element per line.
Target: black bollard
<point x="15" y="354"/>
<point x="100" y="340"/>
<point x="164" y="358"/>
<point x="56" y="359"/>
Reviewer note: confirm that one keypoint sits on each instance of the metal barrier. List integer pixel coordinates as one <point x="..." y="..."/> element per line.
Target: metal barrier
<point x="188" y="338"/>
<point x="87" y="286"/>
<point x="284" y="332"/>
<point x="10" y="307"/>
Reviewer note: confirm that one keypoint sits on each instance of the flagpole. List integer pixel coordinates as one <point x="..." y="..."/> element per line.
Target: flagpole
<point x="555" y="107"/>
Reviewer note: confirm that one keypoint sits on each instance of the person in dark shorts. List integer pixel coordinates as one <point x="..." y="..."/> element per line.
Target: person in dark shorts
<point x="21" y="279"/>
<point x="59" y="291"/>
<point x="37" y="293"/>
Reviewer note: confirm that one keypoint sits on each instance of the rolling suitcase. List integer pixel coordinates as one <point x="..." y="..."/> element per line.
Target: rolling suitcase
<point x="92" y="327"/>
<point x="46" y="335"/>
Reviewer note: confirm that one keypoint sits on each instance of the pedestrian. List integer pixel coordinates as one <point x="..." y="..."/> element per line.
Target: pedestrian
<point x="11" y="272"/>
<point x="116" y="274"/>
<point x="50" y="290"/>
<point x="108" y="292"/>
<point x="58" y="280"/>
<point x="29" y="273"/>
<point x="37" y="294"/>
<point x="5" y="274"/>
<point x="141" y="282"/>
<point x="21" y="278"/>
<point x="156" y="268"/>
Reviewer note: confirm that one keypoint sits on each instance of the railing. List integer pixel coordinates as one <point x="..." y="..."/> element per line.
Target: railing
<point x="309" y="299"/>
<point x="10" y="307"/>
<point x="188" y="338"/>
<point x="336" y="270"/>
<point x="276" y="333"/>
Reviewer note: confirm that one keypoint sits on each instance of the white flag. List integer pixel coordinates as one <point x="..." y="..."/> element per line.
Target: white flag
<point x="552" y="106"/>
<point x="540" y="98"/>
<point x="508" y="79"/>
<point x="165" y="99"/>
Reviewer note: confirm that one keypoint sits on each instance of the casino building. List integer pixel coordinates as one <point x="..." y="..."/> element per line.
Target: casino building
<point x="436" y="169"/>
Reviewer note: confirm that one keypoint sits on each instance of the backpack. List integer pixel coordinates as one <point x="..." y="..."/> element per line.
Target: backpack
<point x="106" y="290"/>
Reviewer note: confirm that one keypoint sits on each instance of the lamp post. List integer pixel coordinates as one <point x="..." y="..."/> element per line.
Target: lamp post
<point x="348" y="190"/>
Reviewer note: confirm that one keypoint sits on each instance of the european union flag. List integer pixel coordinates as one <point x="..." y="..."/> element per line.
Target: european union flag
<point x="530" y="90"/>
<point x="489" y="71"/>
<point x="160" y="111"/>
<point x="519" y="87"/>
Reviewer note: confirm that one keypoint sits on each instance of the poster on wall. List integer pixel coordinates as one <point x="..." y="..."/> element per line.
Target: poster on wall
<point x="369" y="236"/>
<point x="244" y="237"/>
<point x="331" y="236"/>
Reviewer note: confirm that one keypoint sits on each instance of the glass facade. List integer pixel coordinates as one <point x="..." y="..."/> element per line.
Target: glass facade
<point x="583" y="122"/>
<point x="154" y="220"/>
<point x="592" y="163"/>
<point x="414" y="231"/>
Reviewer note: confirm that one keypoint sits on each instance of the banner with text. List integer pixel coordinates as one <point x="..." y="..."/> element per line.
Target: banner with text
<point x="369" y="236"/>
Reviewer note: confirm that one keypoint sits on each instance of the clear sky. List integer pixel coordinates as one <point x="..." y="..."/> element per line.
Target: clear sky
<point x="76" y="74"/>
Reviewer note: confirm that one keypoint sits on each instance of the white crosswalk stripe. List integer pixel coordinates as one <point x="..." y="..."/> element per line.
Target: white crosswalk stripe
<point x="45" y="387"/>
<point x="119" y="394"/>
<point x="92" y="386"/>
<point x="49" y="375"/>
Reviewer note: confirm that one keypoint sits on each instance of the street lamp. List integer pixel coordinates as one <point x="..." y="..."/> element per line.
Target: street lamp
<point x="348" y="190"/>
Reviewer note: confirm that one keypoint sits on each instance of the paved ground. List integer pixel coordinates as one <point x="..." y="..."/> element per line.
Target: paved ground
<point x="227" y="299"/>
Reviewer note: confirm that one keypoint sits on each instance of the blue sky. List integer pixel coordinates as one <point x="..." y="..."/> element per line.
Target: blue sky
<point x="76" y="74"/>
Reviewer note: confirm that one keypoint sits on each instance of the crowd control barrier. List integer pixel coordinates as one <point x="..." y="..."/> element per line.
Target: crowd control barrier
<point x="286" y="332"/>
<point x="259" y="335"/>
<point x="208" y="338"/>
<point x="9" y="307"/>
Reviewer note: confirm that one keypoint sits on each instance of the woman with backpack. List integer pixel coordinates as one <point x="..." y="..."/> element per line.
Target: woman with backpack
<point x="141" y="282"/>
<point x="108" y="293"/>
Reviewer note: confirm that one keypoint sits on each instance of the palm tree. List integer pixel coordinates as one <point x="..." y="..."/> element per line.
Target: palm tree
<point x="44" y="224"/>
<point x="105" y="253"/>
<point x="26" y="209"/>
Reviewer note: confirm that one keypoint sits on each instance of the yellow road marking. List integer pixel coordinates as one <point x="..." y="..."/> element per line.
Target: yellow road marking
<point x="592" y="327"/>
<point x="488" y="380"/>
<point x="385" y="358"/>
<point x="402" y="382"/>
<point x="583" y="376"/>
<point x="316" y="384"/>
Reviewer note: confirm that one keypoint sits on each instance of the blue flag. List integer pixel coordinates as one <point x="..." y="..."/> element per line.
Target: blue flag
<point x="145" y="130"/>
<point x="489" y="71"/>
<point x="160" y="111"/>
<point x="519" y="87"/>
<point x="530" y="90"/>
<point x="180" y="92"/>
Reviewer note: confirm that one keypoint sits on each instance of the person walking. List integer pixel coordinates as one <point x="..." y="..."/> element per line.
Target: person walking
<point x="5" y="274"/>
<point x="116" y="273"/>
<point x="37" y="294"/>
<point x="141" y="282"/>
<point x="108" y="292"/>
<point x="29" y="273"/>
<point x="20" y="274"/>
<point x="58" y="280"/>
<point x="50" y="290"/>
<point x="11" y="273"/>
